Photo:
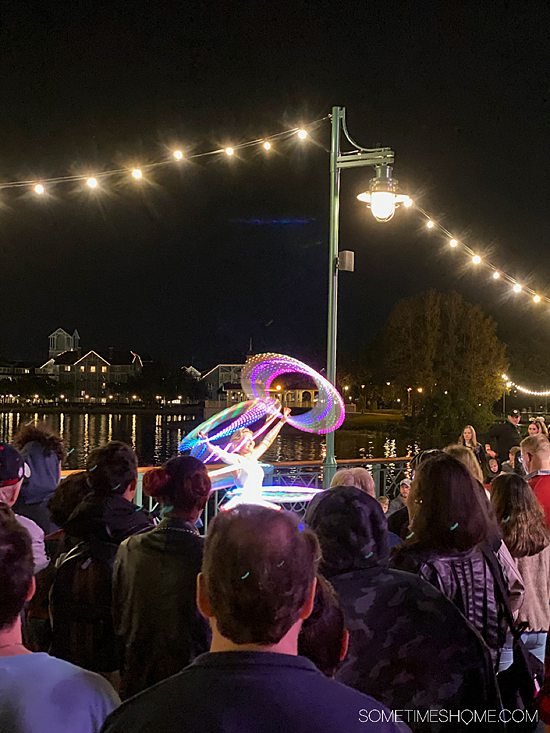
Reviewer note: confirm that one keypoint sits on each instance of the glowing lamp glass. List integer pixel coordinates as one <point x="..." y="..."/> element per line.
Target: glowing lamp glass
<point x="229" y="151"/>
<point x="137" y="174"/>
<point x="177" y="155"/>
<point x="453" y="243"/>
<point x="516" y="288"/>
<point x="536" y="298"/>
<point x="496" y="275"/>
<point x="382" y="205"/>
<point x="267" y="145"/>
<point x="39" y="189"/>
<point x="302" y="134"/>
<point x="430" y="224"/>
<point x="476" y="260"/>
<point x="91" y="182"/>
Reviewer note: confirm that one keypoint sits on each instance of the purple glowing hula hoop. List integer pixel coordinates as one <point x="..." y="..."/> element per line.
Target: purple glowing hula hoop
<point x="325" y="416"/>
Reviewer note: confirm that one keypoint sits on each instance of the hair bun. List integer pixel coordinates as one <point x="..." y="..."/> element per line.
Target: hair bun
<point x="155" y="482"/>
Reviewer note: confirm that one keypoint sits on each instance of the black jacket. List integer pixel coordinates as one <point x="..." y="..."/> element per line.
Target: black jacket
<point x="154" y="608"/>
<point x="502" y="437"/>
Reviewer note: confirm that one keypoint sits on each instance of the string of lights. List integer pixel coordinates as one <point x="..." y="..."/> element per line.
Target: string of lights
<point x="498" y="275"/>
<point x="177" y="155"/>
<point x="510" y="384"/>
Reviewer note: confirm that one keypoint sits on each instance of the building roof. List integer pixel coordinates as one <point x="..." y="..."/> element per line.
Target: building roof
<point x="67" y="357"/>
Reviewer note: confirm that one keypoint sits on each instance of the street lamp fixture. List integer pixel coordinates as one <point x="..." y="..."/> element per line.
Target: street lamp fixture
<point x="382" y="198"/>
<point x="420" y="390"/>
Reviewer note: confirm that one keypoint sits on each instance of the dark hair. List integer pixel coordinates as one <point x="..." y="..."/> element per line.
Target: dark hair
<point x="321" y="636"/>
<point x="258" y="567"/>
<point x="67" y="496"/>
<point x="111" y="468"/>
<point x="447" y="507"/>
<point x="520" y="515"/>
<point x="16" y="566"/>
<point x="182" y="483"/>
<point x="40" y="433"/>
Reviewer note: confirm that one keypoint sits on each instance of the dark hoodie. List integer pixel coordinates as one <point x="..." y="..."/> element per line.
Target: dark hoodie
<point x="110" y="519"/>
<point x="409" y="646"/>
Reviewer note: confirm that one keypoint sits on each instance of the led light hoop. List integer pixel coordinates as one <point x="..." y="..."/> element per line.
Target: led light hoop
<point x="236" y="416"/>
<point x="328" y="412"/>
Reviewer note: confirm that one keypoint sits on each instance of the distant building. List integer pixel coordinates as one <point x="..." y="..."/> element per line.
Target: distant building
<point x="11" y="369"/>
<point x="61" y="341"/>
<point x="90" y="373"/>
<point x="223" y="383"/>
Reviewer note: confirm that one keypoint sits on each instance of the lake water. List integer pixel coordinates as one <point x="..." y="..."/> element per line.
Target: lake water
<point x="156" y="437"/>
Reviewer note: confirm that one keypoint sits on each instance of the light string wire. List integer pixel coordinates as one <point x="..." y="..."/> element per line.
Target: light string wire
<point x="176" y="156"/>
<point x="480" y="261"/>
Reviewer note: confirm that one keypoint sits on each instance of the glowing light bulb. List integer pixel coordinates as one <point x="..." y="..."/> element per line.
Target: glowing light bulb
<point x="453" y="243"/>
<point x="408" y="202"/>
<point x="476" y="260"/>
<point x="39" y="189"/>
<point x="496" y="275"/>
<point x="382" y="205"/>
<point x="229" y="151"/>
<point x="516" y="288"/>
<point x="266" y="145"/>
<point x="536" y="298"/>
<point x="177" y="154"/>
<point x="430" y="224"/>
<point x="91" y="182"/>
<point x="302" y="134"/>
<point x="137" y="174"/>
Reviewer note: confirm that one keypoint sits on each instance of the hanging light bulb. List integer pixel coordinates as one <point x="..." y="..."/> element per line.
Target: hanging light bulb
<point x="496" y="275"/>
<point x="302" y="134"/>
<point x="137" y="174"/>
<point x="453" y="243"/>
<point x="382" y="197"/>
<point x="229" y="151"/>
<point x="536" y="298"/>
<point x="39" y="189"/>
<point x="177" y="155"/>
<point x="516" y="288"/>
<point x="430" y="224"/>
<point x="266" y="146"/>
<point x="408" y="202"/>
<point x="91" y="182"/>
<point x="476" y="260"/>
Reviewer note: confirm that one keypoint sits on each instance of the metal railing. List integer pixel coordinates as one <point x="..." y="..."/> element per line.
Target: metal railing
<point x="386" y="472"/>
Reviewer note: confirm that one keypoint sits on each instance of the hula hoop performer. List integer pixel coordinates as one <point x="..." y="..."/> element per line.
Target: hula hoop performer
<point x="248" y="472"/>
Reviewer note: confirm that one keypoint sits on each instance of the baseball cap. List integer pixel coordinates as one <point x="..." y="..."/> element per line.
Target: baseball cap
<point x="12" y="466"/>
<point x="405" y="481"/>
<point x="514" y="413"/>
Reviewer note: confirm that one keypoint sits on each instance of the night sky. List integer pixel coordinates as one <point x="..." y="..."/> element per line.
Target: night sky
<point x="191" y="264"/>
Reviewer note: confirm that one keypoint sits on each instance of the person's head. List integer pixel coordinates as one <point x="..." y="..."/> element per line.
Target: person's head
<point x="514" y="417"/>
<point x="352" y="531"/>
<point x="16" y="568"/>
<point x="182" y="486"/>
<point x="537" y="427"/>
<point x="359" y="477"/>
<point x="112" y="469"/>
<point x="520" y="515"/>
<point x="13" y="470"/>
<point x="492" y="464"/>
<point x="242" y="441"/>
<point x="404" y="489"/>
<point x="67" y="496"/>
<point x="466" y="456"/>
<point x="469" y="436"/>
<point x="257" y="583"/>
<point x="513" y="454"/>
<point x="384" y="503"/>
<point x="535" y="453"/>
<point x="43" y="434"/>
<point x="324" y="638"/>
<point x="448" y="507"/>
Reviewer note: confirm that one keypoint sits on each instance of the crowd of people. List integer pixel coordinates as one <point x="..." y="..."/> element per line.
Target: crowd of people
<point x="366" y="614"/>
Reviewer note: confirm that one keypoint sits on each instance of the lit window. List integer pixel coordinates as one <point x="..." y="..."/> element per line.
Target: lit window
<point x="104" y="370"/>
<point x="82" y="368"/>
<point x="92" y="369"/>
<point x="67" y="368"/>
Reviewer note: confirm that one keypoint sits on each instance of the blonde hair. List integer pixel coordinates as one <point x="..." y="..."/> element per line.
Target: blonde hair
<point x="239" y="435"/>
<point x="462" y="441"/>
<point x="467" y="457"/>
<point x="358" y="477"/>
<point x="536" y="444"/>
